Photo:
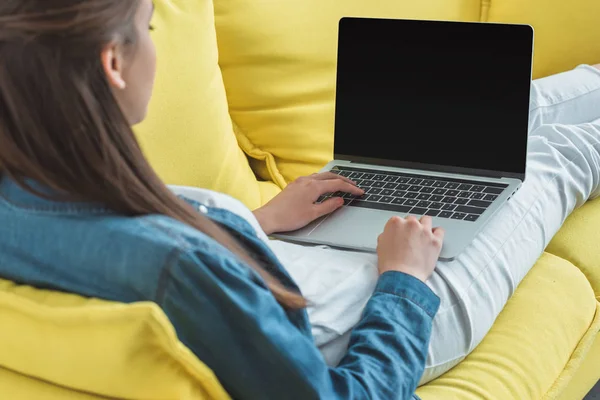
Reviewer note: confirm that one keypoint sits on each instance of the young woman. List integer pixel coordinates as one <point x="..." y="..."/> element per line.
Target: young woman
<point x="82" y="211"/>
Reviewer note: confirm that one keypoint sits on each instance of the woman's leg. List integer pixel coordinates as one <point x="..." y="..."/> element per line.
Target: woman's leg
<point x="562" y="173"/>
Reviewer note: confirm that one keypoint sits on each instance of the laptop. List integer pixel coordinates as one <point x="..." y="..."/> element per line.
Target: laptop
<point x="431" y="118"/>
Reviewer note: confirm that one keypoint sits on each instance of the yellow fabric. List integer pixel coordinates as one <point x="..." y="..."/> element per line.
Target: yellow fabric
<point x="578" y="242"/>
<point x="54" y="345"/>
<point x="551" y="317"/>
<point x="567" y="33"/>
<point x="278" y="60"/>
<point x="188" y="136"/>
<point x="586" y="376"/>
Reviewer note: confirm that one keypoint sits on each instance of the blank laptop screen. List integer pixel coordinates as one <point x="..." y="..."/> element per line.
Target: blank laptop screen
<point x="443" y="93"/>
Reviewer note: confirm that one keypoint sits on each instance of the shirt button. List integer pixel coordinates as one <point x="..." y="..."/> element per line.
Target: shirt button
<point x="203" y="209"/>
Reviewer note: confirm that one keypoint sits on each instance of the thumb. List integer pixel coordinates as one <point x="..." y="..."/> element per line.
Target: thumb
<point x="329" y="206"/>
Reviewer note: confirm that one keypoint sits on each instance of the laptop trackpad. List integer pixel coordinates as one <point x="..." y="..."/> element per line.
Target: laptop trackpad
<point x="353" y="227"/>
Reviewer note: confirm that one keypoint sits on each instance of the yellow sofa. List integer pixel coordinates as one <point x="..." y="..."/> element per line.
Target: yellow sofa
<point x="244" y="104"/>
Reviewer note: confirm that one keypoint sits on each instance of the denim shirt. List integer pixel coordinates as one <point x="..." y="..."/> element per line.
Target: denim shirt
<point x="220" y="308"/>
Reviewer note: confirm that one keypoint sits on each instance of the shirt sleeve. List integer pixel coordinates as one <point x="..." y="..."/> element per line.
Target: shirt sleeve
<point x="224" y="313"/>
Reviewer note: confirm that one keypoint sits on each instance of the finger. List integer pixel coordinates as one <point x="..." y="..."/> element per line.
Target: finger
<point x="426" y="221"/>
<point x="330" y="175"/>
<point x="411" y="218"/>
<point x="328" y="206"/>
<point x="439" y="233"/>
<point x="337" y="185"/>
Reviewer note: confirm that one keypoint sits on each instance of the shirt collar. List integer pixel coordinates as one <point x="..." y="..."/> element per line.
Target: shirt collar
<point x="18" y="197"/>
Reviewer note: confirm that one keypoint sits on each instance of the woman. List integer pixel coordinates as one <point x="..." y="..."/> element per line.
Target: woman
<point x="82" y="211"/>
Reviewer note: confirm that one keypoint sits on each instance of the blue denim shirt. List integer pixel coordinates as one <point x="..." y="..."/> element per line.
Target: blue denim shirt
<point x="220" y="308"/>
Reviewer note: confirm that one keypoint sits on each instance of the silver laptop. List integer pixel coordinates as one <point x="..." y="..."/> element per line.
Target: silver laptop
<point x="431" y="119"/>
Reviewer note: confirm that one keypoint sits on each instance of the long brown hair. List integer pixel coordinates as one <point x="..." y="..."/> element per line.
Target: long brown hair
<point x="61" y="126"/>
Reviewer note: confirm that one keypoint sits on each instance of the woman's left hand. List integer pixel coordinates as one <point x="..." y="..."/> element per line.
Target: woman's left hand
<point x="295" y="207"/>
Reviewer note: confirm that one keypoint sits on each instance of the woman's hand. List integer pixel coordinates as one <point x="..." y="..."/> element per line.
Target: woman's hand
<point x="410" y="246"/>
<point x="295" y="206"/>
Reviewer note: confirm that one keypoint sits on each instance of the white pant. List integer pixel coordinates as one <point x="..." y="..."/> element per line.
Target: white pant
<point x="563" y="171"/>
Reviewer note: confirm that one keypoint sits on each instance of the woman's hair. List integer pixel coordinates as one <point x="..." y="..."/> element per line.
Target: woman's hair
<point x="61" y="126"/>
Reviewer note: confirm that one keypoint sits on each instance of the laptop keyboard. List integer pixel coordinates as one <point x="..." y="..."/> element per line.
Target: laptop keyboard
<point x="417" y="194"/>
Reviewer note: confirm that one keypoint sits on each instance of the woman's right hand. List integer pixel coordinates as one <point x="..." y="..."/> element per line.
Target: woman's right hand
<point x="410" y="246"/>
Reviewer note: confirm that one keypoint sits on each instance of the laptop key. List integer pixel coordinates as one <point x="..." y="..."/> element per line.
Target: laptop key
<point x="418" y="211"/>
<point x="403" y="179"/>
<point x="414" y="188"/>
<point x="437" y="206"/>
<point x="452" y="193"/>
<point x="386" y="199"/>
<point x="368" y="176"/>
<point x="355" y="175"/>
<point x="436" y="198"/>
<point x="465" y="186"/>
<point x="432" y="213"/>
<point x="402" y="186"/>
<point x="375" y="197"/>
<point x="439" y="184"/>
<point x="470" y="210"/>
<point x="477" y="188"/>
<point x="477" y="196"/>
<point x="451" y="185"/>
<point x="471" y="217"/>
<point x="390" y="178"/>
<point x="423" y="196"/>
<point x="424" y="204"/>
<point x="415" y="181"/>
<point x="448" y="207"/>
<point x="493" y="190"/>
<point x="380" y="206"/>
<point x="479" y="203"/>
<point x="373" y="190"/>
<point x="378" y="184"/>
<point x="439" y="191"/>
<point x="461" y="200"/>
<point x="458" y="215"/>
<point x="399" y="193"/>
<point x="387" y="192"/>
<point x="411" y="195"/>
<point x="398" y="200"/>
<point x="445" y="214"/>
<point x="448" y="199"/>
<point x="464" y="194"/>
<point x="345" y="173"/>
<point x="391" y="185"/>
<point x="410" y="202"/>
<point x="490" y="197"/>
<point x="426" y="189"/>
<point x="367" y="183"/>
<point x="427" y="182"/>
<point x="379" y="177"/>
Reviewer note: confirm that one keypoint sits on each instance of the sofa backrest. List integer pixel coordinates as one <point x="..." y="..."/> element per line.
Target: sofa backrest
<point x="63" y="346"/>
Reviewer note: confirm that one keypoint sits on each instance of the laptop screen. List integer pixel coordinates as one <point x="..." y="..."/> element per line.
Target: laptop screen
<point x="434" y="93"/>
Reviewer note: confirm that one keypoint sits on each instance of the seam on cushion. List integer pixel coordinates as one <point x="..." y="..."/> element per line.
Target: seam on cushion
<point x="59" y="386"/>
<point x="258" y="154"/>
<point x="485" y="10"/>
<point x="577" y="357"/>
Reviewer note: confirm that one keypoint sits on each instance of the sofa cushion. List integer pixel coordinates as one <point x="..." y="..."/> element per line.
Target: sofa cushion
<point x="188" y="136"/>
<point x="278" y="60"/>
<point x="577" y="241"/>
<point x="550" y="321"/>
<point x="59" y="344"/>
<point x="567" y="33"/>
